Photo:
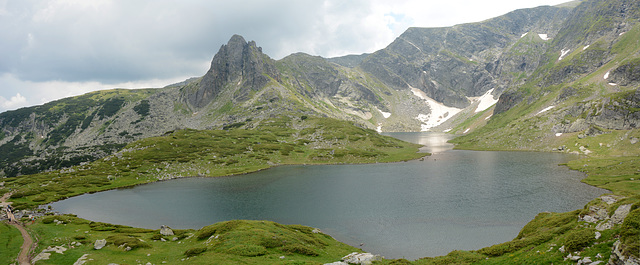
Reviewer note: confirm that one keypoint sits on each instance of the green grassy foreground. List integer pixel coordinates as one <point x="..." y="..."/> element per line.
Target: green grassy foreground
<point x="232" y="242"/>
<point x="10" y="242"/>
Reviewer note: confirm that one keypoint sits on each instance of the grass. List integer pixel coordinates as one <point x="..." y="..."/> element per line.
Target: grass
<point x="10" y="243"/>
<point x="233" y="242"/>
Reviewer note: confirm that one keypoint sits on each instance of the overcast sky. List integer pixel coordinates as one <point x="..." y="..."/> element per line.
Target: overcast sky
<point x="60" y="48"/>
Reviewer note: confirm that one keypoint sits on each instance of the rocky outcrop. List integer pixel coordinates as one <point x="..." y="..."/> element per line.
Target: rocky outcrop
<point x="616" y="112"/>
<point x="618" y="258"/>
<point x="627" y="74"/>
<point x="237" y="63"/>
<point x="506" y="101"/>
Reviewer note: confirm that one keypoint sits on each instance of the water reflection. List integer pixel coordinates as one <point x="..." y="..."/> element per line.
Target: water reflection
<point x="433" y="142"/>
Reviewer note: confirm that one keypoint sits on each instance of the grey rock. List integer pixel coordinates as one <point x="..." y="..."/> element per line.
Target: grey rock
<point x="604" y="226"/>
<point x="361" y="258"/>
<point x="620" y="214"/>
<point x="99" y="244"/>
<point x="610" y="199"/>
<point x="166" y="231"/>
<point x="586" y="260"/>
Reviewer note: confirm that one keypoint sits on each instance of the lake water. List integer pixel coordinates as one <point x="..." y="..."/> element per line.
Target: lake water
<point x="452" y="200"/>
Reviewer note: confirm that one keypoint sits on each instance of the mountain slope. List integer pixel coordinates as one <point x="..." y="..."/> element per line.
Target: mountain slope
<point x="587" y="84"/>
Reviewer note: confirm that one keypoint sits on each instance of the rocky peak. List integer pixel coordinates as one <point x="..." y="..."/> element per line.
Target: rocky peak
<point x="238" y="63"/>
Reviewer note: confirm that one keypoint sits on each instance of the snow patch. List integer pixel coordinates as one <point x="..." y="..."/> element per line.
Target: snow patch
<point x="447" y="130"/>
<point x="488" y="117"/>
<point x="525" y="34"/>
<point x="486" y="101"/>
<point x="544" y="36"/>
<point x="622" y="33"/>
<point x="558" y="134"/>
<point x="545" y="109"/>
<point x="439" y="112"/>
<point x="606" y="76"/>
<point x="385" y="114"/>
<point x="586" y="47"/>
<point x="563" y="53"/>
<point x="467" y="130"/>
<point x="379" y="128"/>
<point x="613" y="84"/>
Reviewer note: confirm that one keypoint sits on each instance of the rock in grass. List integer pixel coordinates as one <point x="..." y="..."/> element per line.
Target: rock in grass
<point x="361" y="258"/>
<point x="99" y="244"/>
<point x="166" y="231"/>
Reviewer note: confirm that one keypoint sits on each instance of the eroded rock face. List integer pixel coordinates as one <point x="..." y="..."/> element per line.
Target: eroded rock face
<point x="236" y="63"/>
<point x="627" y="74"/>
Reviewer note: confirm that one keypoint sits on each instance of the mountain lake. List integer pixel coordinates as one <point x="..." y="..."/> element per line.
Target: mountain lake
<point x="453" y="200"/>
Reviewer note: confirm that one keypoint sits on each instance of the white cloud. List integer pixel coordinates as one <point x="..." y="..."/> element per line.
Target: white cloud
<point x="14" y="102"/>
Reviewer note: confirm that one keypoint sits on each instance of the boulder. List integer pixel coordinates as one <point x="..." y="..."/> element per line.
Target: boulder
<point x="99" y="244"/>
<point x="361" y="258"/>
<point x="166" y="231"/>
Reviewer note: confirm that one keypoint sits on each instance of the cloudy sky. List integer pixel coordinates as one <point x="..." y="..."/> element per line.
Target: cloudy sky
<point x="50" y="49"/>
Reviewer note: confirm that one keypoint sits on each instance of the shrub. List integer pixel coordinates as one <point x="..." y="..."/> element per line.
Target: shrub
<point x="271" y="242"/>
<point x="630" y="232"/>
<point x="99" y="226"/>
<point x="577" y="240"/>
<point x="48" y="219"/>
<point x="219" y="228"/>
<point x="300" y="249"/>
<point x="192" y="252"/>
<point x="127" y="241"/>
<point x="248" y="250"/>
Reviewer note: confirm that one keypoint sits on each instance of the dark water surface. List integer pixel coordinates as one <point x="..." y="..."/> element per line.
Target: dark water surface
<point x="452" y="200"/>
